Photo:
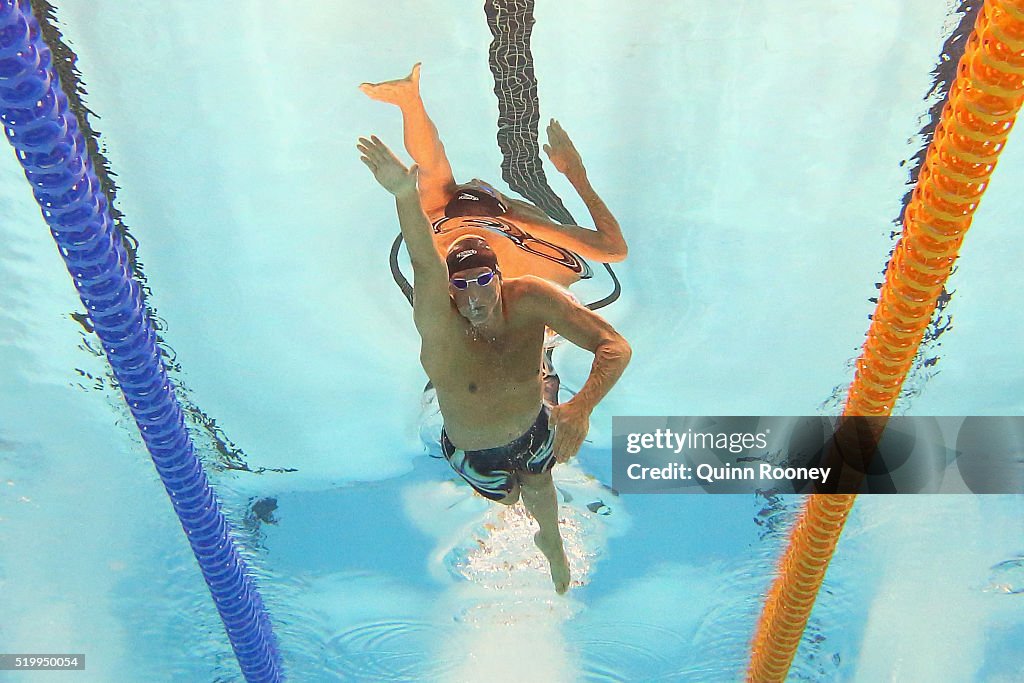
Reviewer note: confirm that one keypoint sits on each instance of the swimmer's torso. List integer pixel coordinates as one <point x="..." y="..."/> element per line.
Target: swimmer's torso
<point x="489" y="392"/>
<point x="539" y="258"/>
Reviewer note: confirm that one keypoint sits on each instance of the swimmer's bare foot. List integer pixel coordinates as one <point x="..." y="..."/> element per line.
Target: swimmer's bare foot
<point x="555" y="555"/>
<point x="395" y="92"/>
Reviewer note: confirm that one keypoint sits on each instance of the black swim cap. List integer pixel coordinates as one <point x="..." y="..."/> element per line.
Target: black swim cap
<point x="470" y="251"/>
<point x="472" y="201"/>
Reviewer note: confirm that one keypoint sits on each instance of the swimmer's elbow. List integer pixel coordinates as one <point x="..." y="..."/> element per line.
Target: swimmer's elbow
<point x="616" y="255"/>
<point x="627" y="352"/>
<point x="613" y="245"/>
<point x="615" y="350"/>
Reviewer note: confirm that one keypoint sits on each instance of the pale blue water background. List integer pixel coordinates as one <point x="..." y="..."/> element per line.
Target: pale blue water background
<point x="752" y="153"/>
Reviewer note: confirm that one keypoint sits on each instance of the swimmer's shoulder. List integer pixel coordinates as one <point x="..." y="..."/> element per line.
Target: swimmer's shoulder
<point x="533" y="293"/>
<point x="525" y="285"/>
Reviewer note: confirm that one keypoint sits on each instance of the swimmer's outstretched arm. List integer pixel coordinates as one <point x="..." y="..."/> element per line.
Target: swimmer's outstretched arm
<point x="430" y="275"/>
<point x="605" y="244"/>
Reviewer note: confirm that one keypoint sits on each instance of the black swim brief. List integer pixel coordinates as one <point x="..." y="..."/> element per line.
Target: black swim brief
<point x="491" y="471"/>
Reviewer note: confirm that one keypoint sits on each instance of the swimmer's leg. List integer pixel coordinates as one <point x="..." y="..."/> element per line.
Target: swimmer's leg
<point x="436" y="183"/>
<point x="541" y="500"/>
<point x="605" y="244"/>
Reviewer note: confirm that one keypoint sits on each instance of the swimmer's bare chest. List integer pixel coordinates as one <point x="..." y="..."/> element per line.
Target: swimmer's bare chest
<point x="489" y="391"/>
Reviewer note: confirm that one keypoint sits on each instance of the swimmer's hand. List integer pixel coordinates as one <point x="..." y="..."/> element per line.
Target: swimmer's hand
<point x="561" y="151"/>
<point x="571" y="422"/>
<point x="386" y="167"/>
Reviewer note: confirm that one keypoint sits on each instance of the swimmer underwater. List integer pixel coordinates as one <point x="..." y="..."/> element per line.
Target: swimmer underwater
<point x="482" y="340"/>
<point x="523" y="238"/>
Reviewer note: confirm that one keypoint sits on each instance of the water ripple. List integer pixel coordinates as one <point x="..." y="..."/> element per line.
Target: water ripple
<point x="389" y="650"/>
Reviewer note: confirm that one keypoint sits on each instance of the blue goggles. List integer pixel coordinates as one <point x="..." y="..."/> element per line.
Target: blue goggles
<point x="481" y="280"/>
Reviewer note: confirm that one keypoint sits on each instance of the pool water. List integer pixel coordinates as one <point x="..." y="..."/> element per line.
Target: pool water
<point x="756" y="155"/>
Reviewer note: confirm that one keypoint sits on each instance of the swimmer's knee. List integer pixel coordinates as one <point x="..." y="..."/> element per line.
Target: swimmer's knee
<point x="531" y="480"/>
<point x="512" y="497"/>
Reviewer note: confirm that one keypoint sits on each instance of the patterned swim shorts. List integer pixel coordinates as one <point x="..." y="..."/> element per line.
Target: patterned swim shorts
<point x="491" y="471"/>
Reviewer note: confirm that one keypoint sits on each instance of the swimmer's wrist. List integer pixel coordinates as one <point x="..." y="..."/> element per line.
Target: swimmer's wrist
<point x="583" y="403"/>
<point x="576" y="174"/>
<point x="406" y="193"/>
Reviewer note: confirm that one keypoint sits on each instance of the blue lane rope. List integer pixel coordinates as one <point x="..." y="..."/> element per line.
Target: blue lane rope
<point x="48" y="143"/>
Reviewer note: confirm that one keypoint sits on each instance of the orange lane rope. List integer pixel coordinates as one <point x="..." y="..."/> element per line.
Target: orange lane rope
<point x="791" y="597"/>
<point x="983" y="102"/>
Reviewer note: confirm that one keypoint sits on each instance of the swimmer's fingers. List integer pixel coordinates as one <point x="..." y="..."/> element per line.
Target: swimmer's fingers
<point x="377" y="155"/>
<point x="558" y="135"/>
<point x="558" y="447"/>
<point x="373" y="148"/>
<point x="368" y="150"/>
<point x="376" y="151"/>
<point x="560" y="149"/>
<point x="567" y="443"/>
<point x="368" y="144"/>
<point x="557" y="158"/>
<point x="571" y="426"/>
<point x="389" y="171"/>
